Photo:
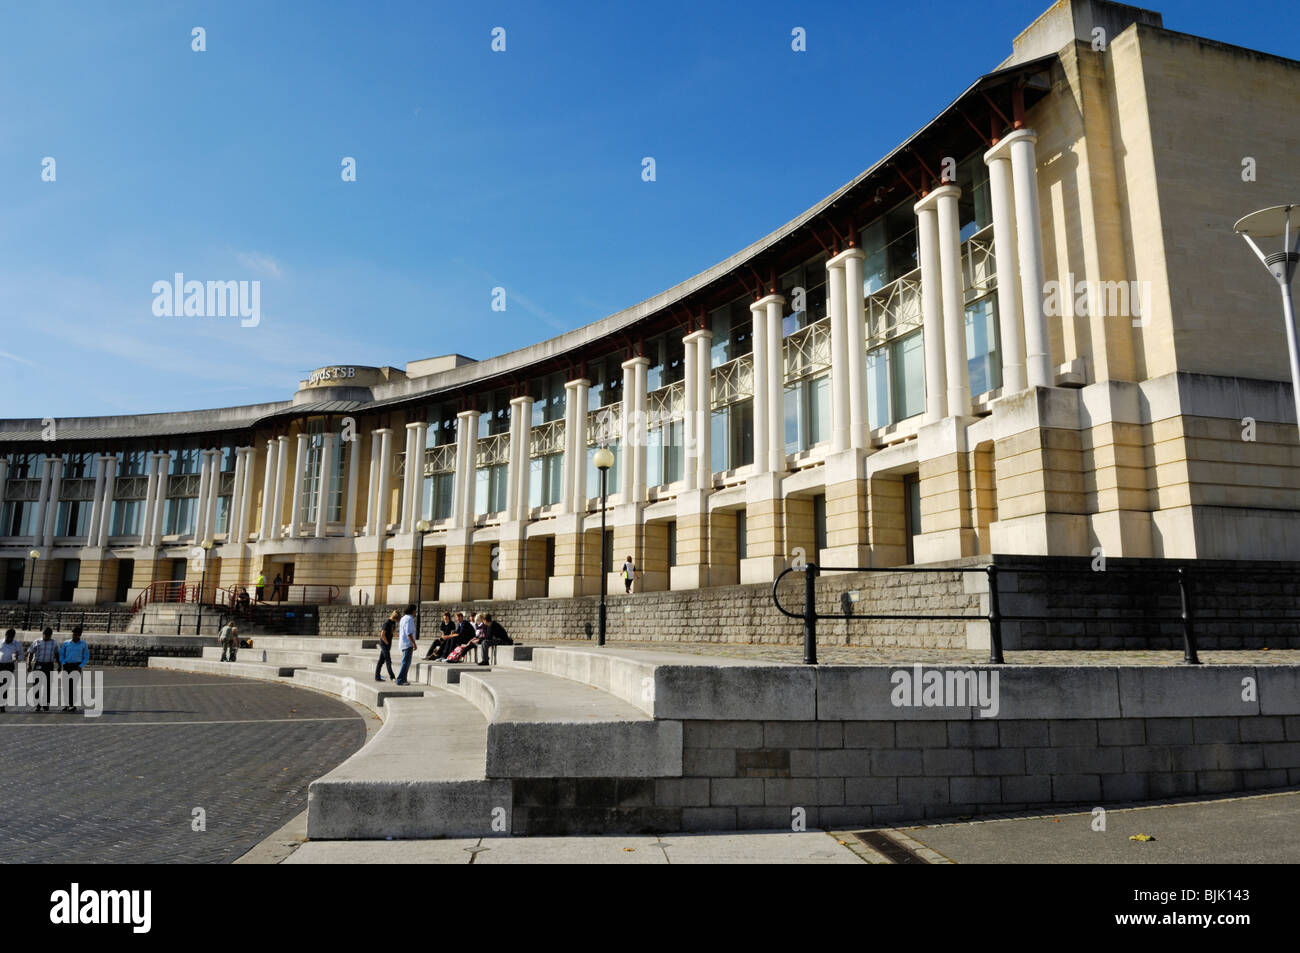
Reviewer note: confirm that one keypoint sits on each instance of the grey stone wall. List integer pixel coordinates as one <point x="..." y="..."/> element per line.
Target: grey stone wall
<point x="848" y="774"/>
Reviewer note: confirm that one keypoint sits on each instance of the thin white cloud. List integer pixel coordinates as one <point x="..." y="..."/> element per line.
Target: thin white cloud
<point x="14" y="357"/>
<point x="259" y="263"/>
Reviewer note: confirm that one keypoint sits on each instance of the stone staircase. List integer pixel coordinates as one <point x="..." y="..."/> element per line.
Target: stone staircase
<point x="457" y="740"/>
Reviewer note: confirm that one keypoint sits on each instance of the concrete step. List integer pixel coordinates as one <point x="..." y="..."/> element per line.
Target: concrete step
<point x="276" y="656"/>
<point x="313" y="643"/>
<point x="422" y="775"/>
<point x="362" y="690"/>
<point x="207" y="666"/>
<point x="540" y="726"/>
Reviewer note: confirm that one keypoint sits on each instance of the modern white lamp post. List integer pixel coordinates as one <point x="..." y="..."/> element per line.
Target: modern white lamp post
<point x="1280" y="221"/>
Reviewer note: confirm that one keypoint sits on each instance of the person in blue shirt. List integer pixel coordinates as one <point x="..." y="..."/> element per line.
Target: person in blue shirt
<point x="408" y="643"/>
<point x="73" y="656"/>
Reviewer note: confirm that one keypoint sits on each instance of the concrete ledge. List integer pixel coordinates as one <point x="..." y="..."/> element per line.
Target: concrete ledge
<point x="214" y="667"/>
<point x="362" y="691"/>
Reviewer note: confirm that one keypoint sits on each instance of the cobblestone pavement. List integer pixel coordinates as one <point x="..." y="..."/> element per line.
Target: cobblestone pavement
<point x="867" y="655"/>
<point x="122" y="788"/>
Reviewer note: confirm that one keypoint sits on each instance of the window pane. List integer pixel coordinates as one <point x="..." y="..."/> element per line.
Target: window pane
<point x="819" y="410"/>
<point x="878" y="414"/>
<point x="741" y="451"/>
<point x="719" y="448"/>
<point x="983" y="360"/>
<point x="654" y="451"/>
<point x="482" y="479"/>
<point x="909" y="376"/>
<point x="673" y="452"/>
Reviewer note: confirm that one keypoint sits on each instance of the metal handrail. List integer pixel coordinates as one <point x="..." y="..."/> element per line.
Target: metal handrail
<point x="809" y="616"/>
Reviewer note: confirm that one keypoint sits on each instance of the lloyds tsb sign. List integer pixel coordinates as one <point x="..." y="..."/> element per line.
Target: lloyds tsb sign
<point x="331" y="374"/>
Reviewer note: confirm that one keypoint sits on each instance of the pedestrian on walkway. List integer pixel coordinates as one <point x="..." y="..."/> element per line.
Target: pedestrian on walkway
<point x="276" y="587"/>
<point x="11" y="650"/>
<point x="261" y="586"/>
<point x="629" y="571"/>
<point x="228" y="637"/>
<point x="74" y="656"/>
<point x="408" y="646"/>
<point x="43" y="656"/>
<point x="386" y="633"/>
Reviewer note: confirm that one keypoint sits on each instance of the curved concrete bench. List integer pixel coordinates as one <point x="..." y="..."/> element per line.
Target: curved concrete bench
<point x="273" y="656"/>
<point x="422" y="775"/>
<point x="204" y="666"/>
<point x="364" y="691"/>
<point x="542" y="727"/>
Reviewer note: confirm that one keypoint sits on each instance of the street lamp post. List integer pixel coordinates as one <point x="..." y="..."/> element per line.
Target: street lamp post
<point x="34" y="555"/>
<point x="603" y="459"/>
<point x="422" y="528"/>
<point x="1280" y="221"/>
<point x="203" y="580"/>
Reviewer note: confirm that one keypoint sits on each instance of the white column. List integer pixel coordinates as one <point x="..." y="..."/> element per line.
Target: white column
<point x="38" y="525"/>
<point x="350" y="507"/>
<point x="200" y="502"/>
<point x="690" y="419"/>
<point x="52" y="508"/>
<point x="466" y="469"/>
<point x="151" y="487"/>
<point x="248" y="459"/>
<point x="404" y="505"/>
<point x="295" y="488"/>
<point x="1029" y="237"/>
<point x="762" y="381"/>
<point x="776" y="384"/>
<point x="627" y="433"/>
<point x="575" y="446"/>
<point x="324" y="483"/>
<point x="839" y="355"/>
<point x="521" y="423"/>
<point x="106" y="519"/>
<point x="1006" y="258"/>
<point x="954" y="309"/>
<point x="700" y="342"/>
<point x="372" y="487"/>
<point x="234" y="511"/>
<point x="160" y="504"/>
<point x="641" y="428"/>
<point x="936" y="380"/>
<point x="281" y="474"/>
<point x="268" y="491"/>
<point x="413" y="502"/>
<point x="581" y="393"/>
<point x="214" y="492"/>
<point x="97" y="504"/>
<point x="856" y="321"/>
<point x="382" y="503"/>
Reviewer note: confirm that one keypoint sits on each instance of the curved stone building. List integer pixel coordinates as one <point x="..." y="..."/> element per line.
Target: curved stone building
<point x="1028" y="329"/>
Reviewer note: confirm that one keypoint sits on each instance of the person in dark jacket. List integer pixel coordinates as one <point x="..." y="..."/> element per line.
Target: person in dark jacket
<point x="439" y="647"/>
<point x="493" y="633"/>
<point x="386" y="633"/>
<point x="464" y="634"/>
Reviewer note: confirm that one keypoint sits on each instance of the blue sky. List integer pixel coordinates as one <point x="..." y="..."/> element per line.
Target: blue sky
<point x="475" y="169"/>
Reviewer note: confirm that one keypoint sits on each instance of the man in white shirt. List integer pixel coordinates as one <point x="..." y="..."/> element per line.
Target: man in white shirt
<point x="407" y="643"/>
<point x="11" y="651"/>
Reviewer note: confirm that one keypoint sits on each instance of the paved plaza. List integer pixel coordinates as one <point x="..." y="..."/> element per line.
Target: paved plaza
<point x="123" y="788"/>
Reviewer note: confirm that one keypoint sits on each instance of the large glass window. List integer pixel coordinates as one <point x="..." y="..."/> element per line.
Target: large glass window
<point x="73" y="518"/>
<point x="18" y="519"/>
<point x="548" y="404"/>
<point x="807" y="413"/>
<point x="545" y="479"/>
<point x="77" y="466"/>
<point x="178" y="516"/>
<point x="667" y="354"/>
<point x="731" y="441"/>
<point x="126" y="518"/>
<point x="983" y="356"/>
<point x="25" y="466"/>
<point x="909" y="376"/>
<point x="437" y="496"/>
<point x="490" y="489"/>
<point x="593" y="475"/>
<point x="185" y="461"/>
<point x="974" y="209"/>
<point x="311" y="477"/>
<point x="804" y="289"/>
<point x="890" y="246"/>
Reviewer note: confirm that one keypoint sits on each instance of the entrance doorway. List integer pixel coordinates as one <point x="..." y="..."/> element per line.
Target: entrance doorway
<point x="15" y="569"/>
<point x="911" y="512"/>
<point x="68" y="581"/>
<point x="125" y="576"/>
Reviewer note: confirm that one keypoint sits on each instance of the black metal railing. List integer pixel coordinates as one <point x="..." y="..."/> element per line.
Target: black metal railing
<point x="1183" y="575"/>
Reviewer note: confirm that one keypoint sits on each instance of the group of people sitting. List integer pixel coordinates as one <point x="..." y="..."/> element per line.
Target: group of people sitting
<point x="453" y="644"/>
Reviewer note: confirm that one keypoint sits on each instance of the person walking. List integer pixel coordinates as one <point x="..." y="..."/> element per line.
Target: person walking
<point x="406" y="629"/>
<point x="275" y="588"/>
<point x="74" y="656"/>
<point x="43" y="656"/>
<point x="629" y="571"/>
<point x="261" y="586"/>
<point x="386" y="632"/>
<point x="11" y="650"/>
<point x="228" y="638"/>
